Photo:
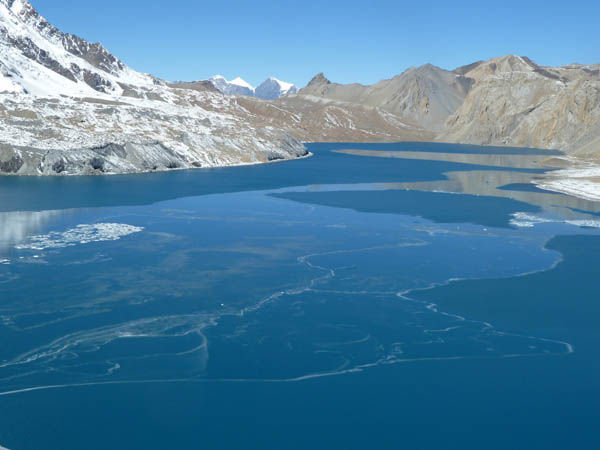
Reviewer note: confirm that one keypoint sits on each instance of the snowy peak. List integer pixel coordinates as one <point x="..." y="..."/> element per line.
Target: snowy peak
<point x="269" y="89"/>
<point x="273" y="88"/>
<point x="242" y="83"/>
<point x="234" y="87"/>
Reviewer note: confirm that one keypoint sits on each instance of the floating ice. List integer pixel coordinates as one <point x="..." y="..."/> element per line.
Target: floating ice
<point x="580" y="181"/>
<point x="81" y="234"/>
<point x="524" y="220"/>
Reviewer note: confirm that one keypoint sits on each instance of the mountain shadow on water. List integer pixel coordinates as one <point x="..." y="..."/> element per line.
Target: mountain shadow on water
<point x="325" y="167"/>
<point x="438" y="207"/>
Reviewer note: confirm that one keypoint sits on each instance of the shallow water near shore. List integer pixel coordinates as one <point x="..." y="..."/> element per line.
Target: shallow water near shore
<point x="344" y="300"/>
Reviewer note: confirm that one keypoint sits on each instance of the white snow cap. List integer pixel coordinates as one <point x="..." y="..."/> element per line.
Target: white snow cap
<point x="269" y="89"/>
<point x="284" y="85"/>
<point x="240" y="82"/>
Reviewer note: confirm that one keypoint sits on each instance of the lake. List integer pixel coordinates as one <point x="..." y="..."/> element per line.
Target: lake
<point x="385" y="296"/>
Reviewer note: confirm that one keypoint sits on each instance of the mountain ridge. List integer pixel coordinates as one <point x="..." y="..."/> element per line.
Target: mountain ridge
<point x="70" y="107"/>
<point x="534" y="105"/>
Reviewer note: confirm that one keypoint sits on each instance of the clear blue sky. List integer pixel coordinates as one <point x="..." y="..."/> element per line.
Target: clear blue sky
<point x="351" y="41"/>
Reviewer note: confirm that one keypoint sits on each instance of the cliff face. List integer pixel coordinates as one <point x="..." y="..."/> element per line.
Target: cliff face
<point x="516" y="102"/>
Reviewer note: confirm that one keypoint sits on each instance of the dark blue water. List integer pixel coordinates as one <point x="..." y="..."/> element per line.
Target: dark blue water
<point x="338" y="301"/>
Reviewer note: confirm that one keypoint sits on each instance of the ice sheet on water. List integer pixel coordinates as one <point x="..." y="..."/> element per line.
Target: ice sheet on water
<point x="525" y="220"/>
<point x="81" y="234"/>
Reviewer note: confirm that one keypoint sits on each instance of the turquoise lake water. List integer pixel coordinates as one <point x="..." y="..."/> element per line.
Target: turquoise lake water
<point x="339" y="301"/>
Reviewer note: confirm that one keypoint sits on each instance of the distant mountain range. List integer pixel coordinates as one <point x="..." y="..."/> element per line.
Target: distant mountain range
<point x="509" y="100"/>
<point x="269" y="89"/>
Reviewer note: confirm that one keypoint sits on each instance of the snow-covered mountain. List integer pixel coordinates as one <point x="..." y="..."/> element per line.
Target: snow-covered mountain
<point x="234" y="87"/>
<point x="273" y="88"/>
<point x="37" y="58"/>
<point x="269" y="89"/>
<point x="68" y="106"/>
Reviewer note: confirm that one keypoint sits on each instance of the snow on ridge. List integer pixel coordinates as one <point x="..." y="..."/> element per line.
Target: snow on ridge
<point x="285" y="86"/>
<point x="241" y="82"/>
<point x="68" y="106"/>
<point x="17" y="7"/>
<point x="269" y="89"/>
<point x="273" y="88"/>
<point x="238" y="86"/>
<point x="22" y="24"/>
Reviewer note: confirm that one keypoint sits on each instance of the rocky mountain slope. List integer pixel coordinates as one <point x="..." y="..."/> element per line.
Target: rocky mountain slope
<point x="516" y="102"/>
<point x="425" y="96"/>
<point x="504" y="101"/>
<point x="311" y="119"/>
<point x="68" y="106"/>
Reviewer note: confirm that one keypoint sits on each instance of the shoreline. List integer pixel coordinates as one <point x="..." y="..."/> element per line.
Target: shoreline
<point x="580" y="179"/>
<point x="573" y="176"/>
<point x="161" y="170"/>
